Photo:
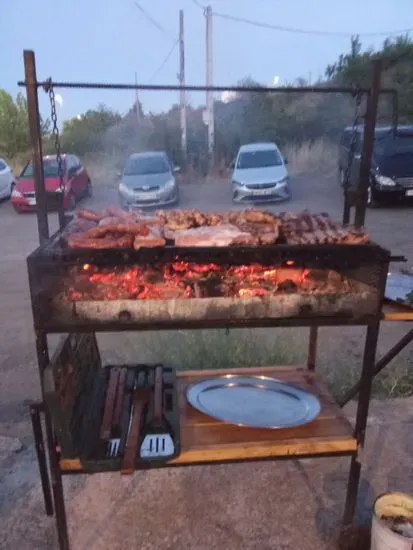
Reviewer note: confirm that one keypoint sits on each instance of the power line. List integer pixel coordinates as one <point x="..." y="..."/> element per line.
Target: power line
<point x="153" y="21"/>
<point x="305" y="31"/>
<point x="199" y="5"/>
<point x="165" y="61"/>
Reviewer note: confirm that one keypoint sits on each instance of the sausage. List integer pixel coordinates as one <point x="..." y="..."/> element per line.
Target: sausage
<point x="117" y="212"/>
<point x="131" y="228"/>
<point x="78" y="225"/>
<point x="76" y="241"/>
<point x="148" y="242"/>
<point x="90" y="214"/>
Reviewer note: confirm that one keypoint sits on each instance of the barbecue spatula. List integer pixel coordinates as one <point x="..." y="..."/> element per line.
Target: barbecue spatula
<point x="158" y="442"/>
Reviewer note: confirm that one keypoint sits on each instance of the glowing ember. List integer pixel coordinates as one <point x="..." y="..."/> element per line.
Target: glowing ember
<point x="181" y="280"/>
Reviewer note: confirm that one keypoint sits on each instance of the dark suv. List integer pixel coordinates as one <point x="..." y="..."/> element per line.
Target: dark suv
<point x="392" y="163"/>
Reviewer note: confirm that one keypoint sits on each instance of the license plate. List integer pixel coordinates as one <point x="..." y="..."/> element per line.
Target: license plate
<point x="147" y="197"/>
<point x="31" y="202"/>
<point x="409" y="193"/>
<point x="262" y="192"/>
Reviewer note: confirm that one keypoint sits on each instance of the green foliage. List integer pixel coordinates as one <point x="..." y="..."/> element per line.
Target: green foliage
<point x="86" y="132"/>
<point x="14" y="125"/>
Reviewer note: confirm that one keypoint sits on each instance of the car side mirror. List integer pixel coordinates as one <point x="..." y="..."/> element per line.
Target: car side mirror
<point x="231" y="166"/>
<point x="72" y="171"/>
<point x="285" y="160"/>
<point x="176" y="169"/>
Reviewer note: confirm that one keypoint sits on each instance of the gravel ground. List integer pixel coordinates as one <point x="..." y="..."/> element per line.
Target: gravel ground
<point x="19" y="385"/>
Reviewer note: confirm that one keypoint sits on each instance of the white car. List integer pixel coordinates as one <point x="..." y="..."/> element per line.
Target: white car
<point x="260" y="174"/>
<point x="7" y="180"/>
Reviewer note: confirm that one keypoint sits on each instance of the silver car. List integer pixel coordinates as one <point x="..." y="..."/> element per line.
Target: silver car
<point x="260" y="174"/>
<point x="148" y="179"/>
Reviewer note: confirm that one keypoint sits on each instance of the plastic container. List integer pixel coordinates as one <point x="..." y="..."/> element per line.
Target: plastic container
<point x="382" y="536"/>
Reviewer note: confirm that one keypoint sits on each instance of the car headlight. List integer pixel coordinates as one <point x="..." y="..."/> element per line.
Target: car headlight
<point x="169" y="185"/>
<point x="283" y="180"/>
<point x="235" y="182"/>
<point x="124" y="189"/>
<point x="384" y="180"/>
<point x="60" y="190"/>
<point x="16" y="193"/>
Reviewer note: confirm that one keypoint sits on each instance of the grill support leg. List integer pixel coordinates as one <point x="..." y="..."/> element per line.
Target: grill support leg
<point x="57" y="487"/>
<point x="312" y="348"/>
<point x="366" y="379"/>
<point x="35" y="410"/>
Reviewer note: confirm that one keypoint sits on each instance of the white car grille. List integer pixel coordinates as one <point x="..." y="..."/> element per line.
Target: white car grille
<point x="406" y="182"/>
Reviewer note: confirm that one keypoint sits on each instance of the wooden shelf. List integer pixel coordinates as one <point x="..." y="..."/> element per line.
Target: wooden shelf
<point x="204" y="439"/>
<point x="392" y="311"/>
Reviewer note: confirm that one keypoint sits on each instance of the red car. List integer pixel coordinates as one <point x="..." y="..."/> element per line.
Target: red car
<point x="77" y="183"/>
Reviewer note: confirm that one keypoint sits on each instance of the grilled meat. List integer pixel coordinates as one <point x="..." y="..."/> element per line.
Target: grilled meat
<point x="192" y="228"/>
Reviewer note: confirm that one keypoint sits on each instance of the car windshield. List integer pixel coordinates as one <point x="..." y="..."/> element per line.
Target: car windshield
<point x="146" y="165"/>
<point x="259" y="159"/>
<point x="50" y="169"/>
<point x="391" y="146"/>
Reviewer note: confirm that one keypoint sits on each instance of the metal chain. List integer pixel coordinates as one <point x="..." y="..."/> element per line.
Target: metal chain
<point x="346" y="179"/>
<point x="55" y="132"/>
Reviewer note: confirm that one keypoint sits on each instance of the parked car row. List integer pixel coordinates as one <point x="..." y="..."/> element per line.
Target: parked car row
<point x="258" y="174"/>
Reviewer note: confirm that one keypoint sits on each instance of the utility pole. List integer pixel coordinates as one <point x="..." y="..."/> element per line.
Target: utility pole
<point x="209" y="94"/>
<point x="182" y="93"/>
<point x="138" y="115"/>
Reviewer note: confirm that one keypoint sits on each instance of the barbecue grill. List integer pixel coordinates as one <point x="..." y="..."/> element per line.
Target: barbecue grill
<point x="320" y="285"/>
<point x="77" y="289"/>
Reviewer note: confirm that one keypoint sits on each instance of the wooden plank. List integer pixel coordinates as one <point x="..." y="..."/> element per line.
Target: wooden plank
<point x="221" y="434"/>
<point x="70" y="464"/>
<point x="392" y="311"/>
<point x="255" y="452"/>
<point x="398" y="316"/>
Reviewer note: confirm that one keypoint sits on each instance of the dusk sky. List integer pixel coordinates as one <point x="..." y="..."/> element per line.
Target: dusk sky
<point x="107" y="41"/>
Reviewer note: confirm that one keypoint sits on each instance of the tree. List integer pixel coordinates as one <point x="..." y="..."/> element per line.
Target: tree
<point x="14" y="124"/>
<point x="86" y="133"/>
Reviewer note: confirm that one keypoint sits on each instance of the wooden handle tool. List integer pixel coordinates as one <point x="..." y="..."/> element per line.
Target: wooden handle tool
<point x="117" y="413"/>
<point x="158" y="397"/>
<point x="139" y="401"/>
<point x="109" y="404"/>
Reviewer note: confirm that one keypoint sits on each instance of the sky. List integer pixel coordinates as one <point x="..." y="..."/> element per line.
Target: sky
<point x="108" y="40"/>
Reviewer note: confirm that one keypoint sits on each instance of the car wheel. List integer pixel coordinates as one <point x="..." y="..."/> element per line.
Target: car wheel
<point x="89" y="189"/>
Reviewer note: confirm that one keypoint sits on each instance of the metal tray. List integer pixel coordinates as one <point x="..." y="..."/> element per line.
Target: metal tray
<point x="254" y="401"/>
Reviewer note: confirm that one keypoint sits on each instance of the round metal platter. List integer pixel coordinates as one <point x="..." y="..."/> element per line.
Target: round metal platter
<point x="254" y="401"/>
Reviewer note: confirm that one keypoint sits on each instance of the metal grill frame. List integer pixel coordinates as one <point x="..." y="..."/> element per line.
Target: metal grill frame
<point x="357" y="201"/>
